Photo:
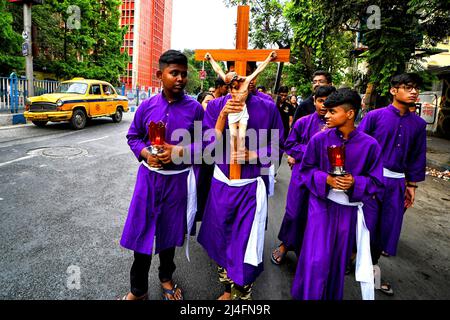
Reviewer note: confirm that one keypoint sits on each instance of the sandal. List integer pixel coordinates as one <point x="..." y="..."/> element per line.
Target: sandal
<point x="143" y="297"/>
<point x="385" y="254"/>
<point x="278" y="256"/>
<point x="386" y="289"/>
<point x="172" y="293"/>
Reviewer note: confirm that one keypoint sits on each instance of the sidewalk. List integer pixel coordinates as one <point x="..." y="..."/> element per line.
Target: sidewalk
<point x="438" y="153"/>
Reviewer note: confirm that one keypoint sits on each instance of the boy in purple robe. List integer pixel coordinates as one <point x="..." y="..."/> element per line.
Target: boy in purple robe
<point x="164" y="196"/>
<point x="402" y="137"/>
<point x="294" y="221"/>
<point x="335" y="208"/>
<point x="232" y="230"/>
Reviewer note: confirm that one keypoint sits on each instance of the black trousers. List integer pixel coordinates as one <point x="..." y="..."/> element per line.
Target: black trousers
<point x="141" y="266"/>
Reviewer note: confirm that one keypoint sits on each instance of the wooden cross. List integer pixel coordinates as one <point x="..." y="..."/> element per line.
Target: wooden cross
<point x="241" y="55"/>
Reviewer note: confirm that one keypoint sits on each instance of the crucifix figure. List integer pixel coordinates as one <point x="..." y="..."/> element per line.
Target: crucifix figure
<point x="241" y="55"/>
<point x="239" y="92"/>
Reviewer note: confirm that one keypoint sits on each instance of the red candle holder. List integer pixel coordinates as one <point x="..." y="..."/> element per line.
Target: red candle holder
<point x="156" y="134"/>
<point x="336" y="156"/>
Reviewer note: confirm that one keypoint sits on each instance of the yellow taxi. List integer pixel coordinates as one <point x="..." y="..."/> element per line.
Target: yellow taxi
<point x="76" y="101"/>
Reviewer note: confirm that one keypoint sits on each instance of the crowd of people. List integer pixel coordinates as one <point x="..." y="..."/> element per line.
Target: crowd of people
<point x="349" y="188"/>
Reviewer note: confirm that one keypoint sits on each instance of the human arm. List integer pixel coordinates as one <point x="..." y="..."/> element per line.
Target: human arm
<point x="215" y="65"/>
<point x="262" y="66"/>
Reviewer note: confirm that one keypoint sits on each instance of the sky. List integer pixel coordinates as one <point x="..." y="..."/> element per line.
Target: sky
<point x="203" y="24"/>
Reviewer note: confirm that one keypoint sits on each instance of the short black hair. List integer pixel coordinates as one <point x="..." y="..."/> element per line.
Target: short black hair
<point x="344" y="96"/>
<point x="202" y="95"/>
<point x="261" y="87"/>
<point x="283" y="89"/>
<point x="406" y="78"/>
<point x="251" y="65"/>
<point x="172" y="57"/>
<point x="324" y="91"/>
<point x="219" y="82"/>
<point x="323" y="73"/>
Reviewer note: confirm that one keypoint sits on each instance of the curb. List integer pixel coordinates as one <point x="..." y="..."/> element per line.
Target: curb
<point x="11" y="119"/>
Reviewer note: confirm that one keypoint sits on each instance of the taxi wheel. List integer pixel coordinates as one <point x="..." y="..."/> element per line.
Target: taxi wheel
<point x="40" y="123"/>
<point x="117" y="117"/>
<point x="78" y="120"/>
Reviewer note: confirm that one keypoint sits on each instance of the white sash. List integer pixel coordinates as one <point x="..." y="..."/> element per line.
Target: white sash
<point x="391" y="174"/>
<point x="364" y="268"/>
<point x="255" y="244"/>
<point x="272" y="180"/>
<point x="191" y="197"/>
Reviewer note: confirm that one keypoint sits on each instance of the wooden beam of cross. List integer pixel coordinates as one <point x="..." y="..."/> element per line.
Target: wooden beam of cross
<point x="241" y="55"/>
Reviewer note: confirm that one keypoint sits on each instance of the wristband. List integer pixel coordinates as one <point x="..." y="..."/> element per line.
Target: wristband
<point x="411" y="185"/>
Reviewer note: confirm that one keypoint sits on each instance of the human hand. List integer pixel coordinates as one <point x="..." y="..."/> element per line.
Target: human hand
<point x="410" y="194"/>
<point x="291" y="161"/>
<point x="345" y="182"/>
<point x="208" y="56"/>
<point x="169" y="153"/>
<point x="153" y="161"/>
<point x="242" y="156"/>
<point x="232" y="106"/>
<point x="273" y="55"/>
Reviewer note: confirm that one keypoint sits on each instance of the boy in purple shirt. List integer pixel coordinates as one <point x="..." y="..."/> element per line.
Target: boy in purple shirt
<point x="335" y="206"/>
<point x="401" y="135"/>
<point x="163" y="202"/>
<point x="293" y="225"/>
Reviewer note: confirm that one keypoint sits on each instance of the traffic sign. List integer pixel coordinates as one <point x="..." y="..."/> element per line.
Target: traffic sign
<point x="25" y="49"/>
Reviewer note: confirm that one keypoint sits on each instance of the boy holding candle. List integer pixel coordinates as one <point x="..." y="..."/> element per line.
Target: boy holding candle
<point x="335" y="213"/>
<point x="163" y="204"/>
<point x="294" y="221"/>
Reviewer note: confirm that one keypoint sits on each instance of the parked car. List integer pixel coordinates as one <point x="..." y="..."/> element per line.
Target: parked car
<point x="76" y="101"/>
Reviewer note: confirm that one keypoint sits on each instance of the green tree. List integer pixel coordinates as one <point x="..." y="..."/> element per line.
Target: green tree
<point x="316" y="44"/>
<point x="11" y="54"/>
<point x="268" y="28"/>
<point x="77" y="38"/>
<point x="194" y="83"/>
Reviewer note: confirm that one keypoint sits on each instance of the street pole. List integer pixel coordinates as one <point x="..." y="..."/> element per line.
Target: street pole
<point x="28" y="41"/>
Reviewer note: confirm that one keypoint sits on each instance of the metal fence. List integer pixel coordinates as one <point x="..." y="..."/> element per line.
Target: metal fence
<point x="13" y="91"/>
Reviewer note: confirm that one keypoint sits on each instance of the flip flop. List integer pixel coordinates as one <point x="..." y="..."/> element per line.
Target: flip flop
<point x="172" y="292"/>
<point x="386" y="289"/>
<point x="144" y="297"/>
<point x="277" y="256"/>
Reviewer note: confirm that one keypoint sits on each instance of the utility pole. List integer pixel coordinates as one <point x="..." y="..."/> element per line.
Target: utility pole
<point x="27" y="51"/>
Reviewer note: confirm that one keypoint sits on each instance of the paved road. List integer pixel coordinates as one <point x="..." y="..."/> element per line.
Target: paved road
<point x="63" y="214"/>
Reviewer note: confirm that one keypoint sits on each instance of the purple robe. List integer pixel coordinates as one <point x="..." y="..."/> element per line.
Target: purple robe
<point x="263" y="95"/>
<point x="331" y="228"/>
<point x="230" y="211"/>
<point x="403" y="143"/>
<point x="158" y="205"/>
<point x="294" y="221"/>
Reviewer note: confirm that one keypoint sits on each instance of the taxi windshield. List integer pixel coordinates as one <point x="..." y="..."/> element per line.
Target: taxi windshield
<point x="72" y="87"/>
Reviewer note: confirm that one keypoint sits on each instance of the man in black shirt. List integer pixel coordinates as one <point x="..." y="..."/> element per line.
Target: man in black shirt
<point x="320" y="78"/>
<point x="285" y="108"/>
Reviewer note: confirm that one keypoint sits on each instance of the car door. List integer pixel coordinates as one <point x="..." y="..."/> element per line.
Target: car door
<point x="96" y="104"/>
<point x="110" y="95"/>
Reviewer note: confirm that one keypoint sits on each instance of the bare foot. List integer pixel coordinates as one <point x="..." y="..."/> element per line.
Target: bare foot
<point x="225" y="296"/>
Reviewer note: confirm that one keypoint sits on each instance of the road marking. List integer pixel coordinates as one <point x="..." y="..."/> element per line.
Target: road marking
<point x="93" y="140"/>
<point x="16" y="160"/>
